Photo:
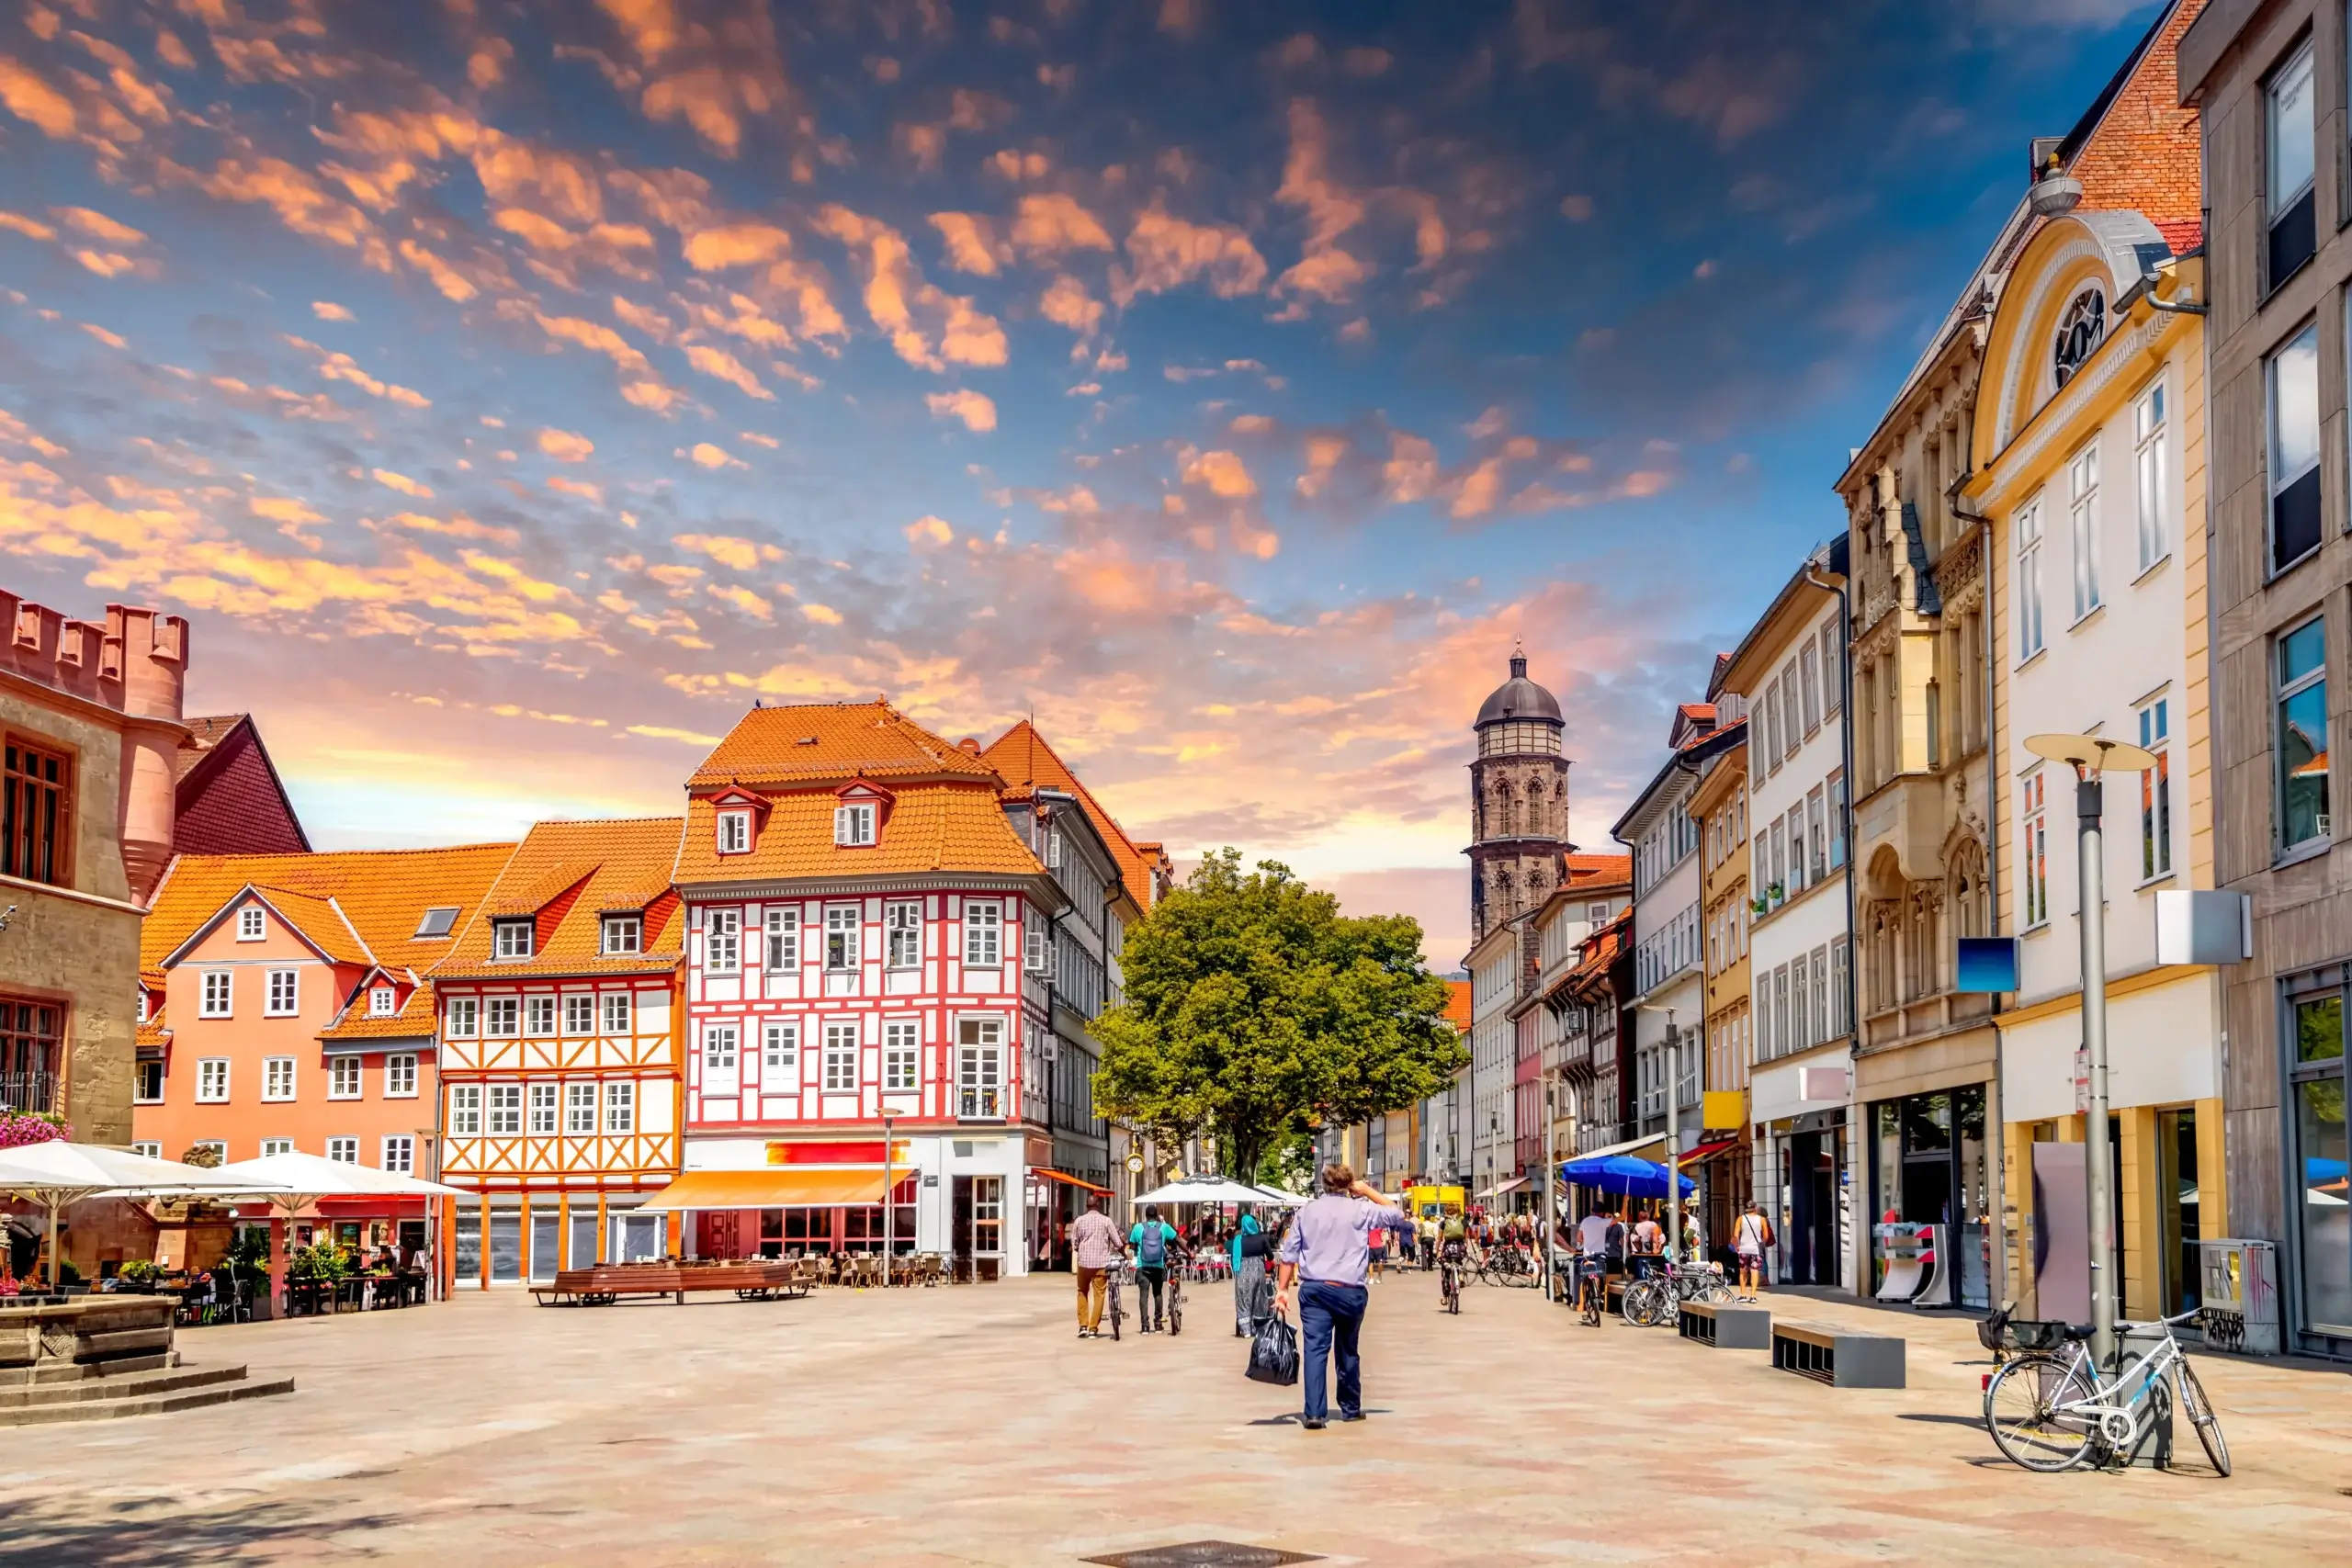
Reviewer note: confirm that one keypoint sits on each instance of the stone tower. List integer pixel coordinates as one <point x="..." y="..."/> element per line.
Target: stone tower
<point x="1518" y="801"/>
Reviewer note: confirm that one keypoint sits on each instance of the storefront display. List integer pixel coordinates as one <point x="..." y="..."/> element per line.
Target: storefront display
<point x="1928" y="1167"/>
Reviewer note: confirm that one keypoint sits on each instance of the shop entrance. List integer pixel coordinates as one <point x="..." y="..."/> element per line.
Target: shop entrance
<point x="1930" y="1169"/>
<point x="2178" y="1217"/>
<point x="1815" y="1222"/>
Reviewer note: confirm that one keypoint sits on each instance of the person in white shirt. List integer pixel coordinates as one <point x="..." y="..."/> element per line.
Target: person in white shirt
<point x="1750" y="1237"/>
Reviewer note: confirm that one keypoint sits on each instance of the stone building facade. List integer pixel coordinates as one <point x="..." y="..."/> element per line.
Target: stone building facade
<point x="92" y="715"/>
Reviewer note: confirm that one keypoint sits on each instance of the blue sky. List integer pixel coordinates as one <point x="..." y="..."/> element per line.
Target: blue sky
<point x="511" y="393"/>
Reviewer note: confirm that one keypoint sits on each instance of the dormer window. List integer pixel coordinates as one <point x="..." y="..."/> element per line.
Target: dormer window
<point x="623" y="934"/>
<point x="853" y="824"/>
<point x="249" y="923"/>
<point x="734" y="832"/>
<point x="511" y="939"/>
<point x="382" y="1002"/>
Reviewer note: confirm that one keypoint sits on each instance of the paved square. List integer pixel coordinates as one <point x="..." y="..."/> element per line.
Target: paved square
<point x="970" y="1426"/>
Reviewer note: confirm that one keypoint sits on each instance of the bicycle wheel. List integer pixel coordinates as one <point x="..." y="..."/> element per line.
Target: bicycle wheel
<point x="1716" y="1290"/>
<point x="2027" y="1411"/>
<point x="2201" y="1415"/>
<point x="1115" y="1311"/>
<point x="1175" y="1309"/>
<point x="1642" y="1307"/>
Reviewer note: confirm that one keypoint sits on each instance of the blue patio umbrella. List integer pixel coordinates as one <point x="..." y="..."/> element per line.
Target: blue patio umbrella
<point x="1623" y="1175"/>
<point x="2318" y="1169"/>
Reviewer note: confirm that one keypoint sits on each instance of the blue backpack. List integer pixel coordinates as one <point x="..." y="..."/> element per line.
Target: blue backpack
<point x="1151" y="1247"/>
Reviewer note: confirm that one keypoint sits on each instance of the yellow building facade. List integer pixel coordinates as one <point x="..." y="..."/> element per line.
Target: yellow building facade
<point x="2089" y="465"/>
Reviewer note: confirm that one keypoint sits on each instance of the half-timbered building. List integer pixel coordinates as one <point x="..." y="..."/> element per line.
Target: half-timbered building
<point x="560" y="1031"/>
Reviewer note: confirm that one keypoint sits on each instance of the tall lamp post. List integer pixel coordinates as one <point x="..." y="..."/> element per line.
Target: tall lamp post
<point x="2092" y="757"/>
<point x="890" y="1207"/>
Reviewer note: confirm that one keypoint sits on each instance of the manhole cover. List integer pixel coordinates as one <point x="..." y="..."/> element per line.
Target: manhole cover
<point x="1204" y="1554"/>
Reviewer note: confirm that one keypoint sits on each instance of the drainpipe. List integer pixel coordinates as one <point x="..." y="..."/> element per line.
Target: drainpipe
<point x="1996" y="803"/>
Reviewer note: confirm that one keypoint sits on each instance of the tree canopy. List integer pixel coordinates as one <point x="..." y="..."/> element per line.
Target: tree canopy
<point x="1255" y="1009"/>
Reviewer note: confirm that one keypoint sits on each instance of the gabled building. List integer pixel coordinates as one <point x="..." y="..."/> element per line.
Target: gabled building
<point x="862" y="917"/>
<point x="1595" y="892"/>
<point x="290" y="1012"/>
<point x="562" y="1053"/>
<point x="1719" y="804"/>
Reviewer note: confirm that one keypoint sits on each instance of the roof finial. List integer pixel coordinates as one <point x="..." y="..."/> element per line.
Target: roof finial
<point x="1518" y="659"/>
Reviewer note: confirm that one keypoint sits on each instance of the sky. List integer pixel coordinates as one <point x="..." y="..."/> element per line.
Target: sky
<point x="513" y="394"/>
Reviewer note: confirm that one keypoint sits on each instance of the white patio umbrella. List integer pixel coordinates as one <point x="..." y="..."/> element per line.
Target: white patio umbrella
<point x="1285" y="1200"/>
<point x="293" y="1182"/>
<point x="58" y="1172"/>
<point x="1206" y="1189"/>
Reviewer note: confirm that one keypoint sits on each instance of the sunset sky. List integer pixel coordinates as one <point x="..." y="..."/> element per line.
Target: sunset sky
<point x="510" y="393"/>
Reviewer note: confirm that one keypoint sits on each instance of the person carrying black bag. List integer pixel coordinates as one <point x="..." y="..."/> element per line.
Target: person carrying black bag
<point x="1328" y="1254"/>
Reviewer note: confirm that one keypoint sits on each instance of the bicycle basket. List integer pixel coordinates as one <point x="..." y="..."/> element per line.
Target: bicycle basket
<point x="2027" y="1334"/>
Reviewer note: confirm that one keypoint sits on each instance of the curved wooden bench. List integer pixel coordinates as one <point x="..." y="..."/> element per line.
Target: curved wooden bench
<point x="750" y="1280"/>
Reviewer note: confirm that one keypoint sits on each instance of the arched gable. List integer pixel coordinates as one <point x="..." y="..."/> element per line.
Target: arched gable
<point x="2100" y="256"/>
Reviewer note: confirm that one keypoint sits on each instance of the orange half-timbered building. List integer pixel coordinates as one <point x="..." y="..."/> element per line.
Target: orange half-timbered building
<point x="561" y="1035"/>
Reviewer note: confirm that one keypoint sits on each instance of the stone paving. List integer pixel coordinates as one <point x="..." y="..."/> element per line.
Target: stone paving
<point x="969" y="1425"/>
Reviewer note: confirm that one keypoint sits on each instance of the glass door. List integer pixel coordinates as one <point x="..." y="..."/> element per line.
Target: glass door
<point x="584" y="1251"/>
<point x="2323" y="1220"/>
<point x="545" y="1234"/>
<point x="2179" y="1219"/>
<point x="506" y="1246"/>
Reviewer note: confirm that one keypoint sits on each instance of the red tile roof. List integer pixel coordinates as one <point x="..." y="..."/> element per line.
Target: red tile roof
<point x="616" y="867"/>
<point x="1027" y="761"/>
<point x="811" y="741"/>
<point x="1457" y="1004"/>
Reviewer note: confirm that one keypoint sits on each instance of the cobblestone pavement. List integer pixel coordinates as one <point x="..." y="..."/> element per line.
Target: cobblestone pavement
<point x="970" y="1426"/>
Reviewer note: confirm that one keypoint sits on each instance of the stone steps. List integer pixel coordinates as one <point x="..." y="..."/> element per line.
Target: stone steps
<point x="47" y="1373"/>
<point x="152" y="1391"/>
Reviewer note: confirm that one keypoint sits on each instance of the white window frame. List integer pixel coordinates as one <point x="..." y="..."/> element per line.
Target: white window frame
<point x="400" y="1075"/>
<point x="2031" y="610"/>
<point x="502" y="1017"/>
<point x="539" y="1017"/>
<point x="580" y="1110"/>
<point x="840" y="1055"/>
<point x="722" y="941"/>
<point x="578" y="1013"/>
<point x="465" y="1110"/>
<point x="782" y="939"/>
<point x="854" y="825"/>
<point x="983" y="933"/>
<point x="463" y="1021"/>
<point x="2155" y="721"/>
<point x="2033" y="879"/>
<point x="276" y="1146"/>
<point x="2152" y="467"/>
<point x="980" y="1089"/>
<point x="620" y="1106"/>
<point x="732" y="832"/>
<point x="383" y="1001"/>
<point x="2082" y="527"/>
<point x="342" y="1077"/>
<point x="281" y="993"/>
<point x="505" y="1110"/>
<point x="142" y="1071"/>
<point x="779" y="1056"/>
<point x="276" y="1080"/>
<point x="252" y="924"/>
<point x="399" y="1154"/>
<point x="623" y="934"/>
<point x="902" y="933"/>
<point x="343" y="1149"/>
<point x="720" y="1061"/>
<point x="216" y="995"/>
<point x="1037" y="949"/>
<point x="901" y="1057"/>
<point x="843" y="922"/>
<point x="619" y="1008"/>
<point x="545" y="1109"/>
<point x="513" y="941"/>
<point x="147" y="1148"/>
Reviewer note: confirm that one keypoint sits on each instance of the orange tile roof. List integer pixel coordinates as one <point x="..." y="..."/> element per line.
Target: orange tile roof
<point x="617" y="865"/>
<point x="1600" y="871"/>
<point x="1457" y="1004"/>
<point x="1026" y="761"/>
<point x="322" y="921"/>
<point x="811" y="741"/>
<point x="414" y="1022"/>
<point x="382" y="892"/>
<point x="953" y="825"/>
<point x="154" y="1033"/>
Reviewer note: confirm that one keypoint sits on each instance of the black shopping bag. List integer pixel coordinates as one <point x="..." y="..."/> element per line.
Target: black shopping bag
<point x="1273" y="1354"/>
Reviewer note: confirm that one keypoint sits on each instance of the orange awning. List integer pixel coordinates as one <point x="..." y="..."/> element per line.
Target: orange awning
<point x="1050" y="1174"/>
<point x="774" y="1188"/>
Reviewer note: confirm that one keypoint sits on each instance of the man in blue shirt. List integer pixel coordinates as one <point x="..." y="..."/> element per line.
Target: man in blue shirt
<point x="1327" y="1255"/>
<point x="1152" y="1238"/>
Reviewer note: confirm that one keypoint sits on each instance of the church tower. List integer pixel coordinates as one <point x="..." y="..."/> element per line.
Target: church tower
<point x="1518" y="801"/>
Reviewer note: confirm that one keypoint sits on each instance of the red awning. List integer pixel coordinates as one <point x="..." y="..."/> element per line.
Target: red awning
<point x="1050" y="1174"/>
<point x="1705" y="1152"/>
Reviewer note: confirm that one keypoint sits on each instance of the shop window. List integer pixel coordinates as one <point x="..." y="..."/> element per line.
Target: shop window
<point x="2324" y="1230"/>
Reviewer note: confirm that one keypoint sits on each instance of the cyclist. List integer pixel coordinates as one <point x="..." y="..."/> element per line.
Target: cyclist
<point x="1600" y="1242"/>
<point x="1453" y="1253"/>
<point x="1153" y="1241"/>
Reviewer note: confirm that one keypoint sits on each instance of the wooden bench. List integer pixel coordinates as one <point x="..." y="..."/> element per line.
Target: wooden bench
<point x="1842" y="1358"/>
<point x="751" y="1280"/>
<point x="1725" y="1326"/>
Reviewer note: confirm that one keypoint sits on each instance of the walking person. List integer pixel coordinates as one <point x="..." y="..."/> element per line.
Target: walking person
<point x="1252" y="1302"/>
<point x="1749" y="1239"/>
<point x="1095" y="1252"/>
<point x="1427" y="1232"/>
<point x="1152" y="1238"/>
<point x="1326" y="1256"/>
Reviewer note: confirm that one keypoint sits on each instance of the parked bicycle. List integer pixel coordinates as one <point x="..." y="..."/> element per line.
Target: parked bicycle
<point x="1506" y="1266"/>
<point x="2052" y="1407"/>
<point x="1658" y="1295"/>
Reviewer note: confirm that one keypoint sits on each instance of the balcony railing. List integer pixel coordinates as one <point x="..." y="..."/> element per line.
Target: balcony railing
<point x="28" y="1092"/>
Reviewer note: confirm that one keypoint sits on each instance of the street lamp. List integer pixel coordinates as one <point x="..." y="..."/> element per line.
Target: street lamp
<point x="1493" y="1136"/>
<point x="889" y="1208"/>
<point x="2091" y="757"/>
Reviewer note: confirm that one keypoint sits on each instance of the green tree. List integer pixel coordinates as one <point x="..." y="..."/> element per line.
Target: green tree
<point x="1256" y="1010"/>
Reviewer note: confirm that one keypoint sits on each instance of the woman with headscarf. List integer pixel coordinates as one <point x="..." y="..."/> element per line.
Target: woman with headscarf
<point x="1252" y="1301"/>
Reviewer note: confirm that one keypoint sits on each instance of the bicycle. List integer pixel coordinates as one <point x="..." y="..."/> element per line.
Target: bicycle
<point x="1175" y="1302"/>
<point x="2048" y="1411"/>
<point x="1449" y="1283"/>
<point x="1649" y="1299"/>
<point x="1116" y="1315"/>
<point x="1505" y="1266"/>
<point x="1592" y="1289"/>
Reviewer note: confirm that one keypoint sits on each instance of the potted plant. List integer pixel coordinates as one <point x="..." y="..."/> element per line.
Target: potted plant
<point x="139" y="1276"/>
<point x="19" y="1128"/>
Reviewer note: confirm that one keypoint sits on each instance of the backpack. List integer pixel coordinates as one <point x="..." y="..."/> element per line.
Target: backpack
<point x="1151" y="1247"/>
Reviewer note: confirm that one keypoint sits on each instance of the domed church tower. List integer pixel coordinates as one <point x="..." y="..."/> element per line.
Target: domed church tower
<point x="1518" y="801"/>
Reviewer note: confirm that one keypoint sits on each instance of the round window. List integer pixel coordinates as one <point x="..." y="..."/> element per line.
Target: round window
<point x="2080" y="331"/>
